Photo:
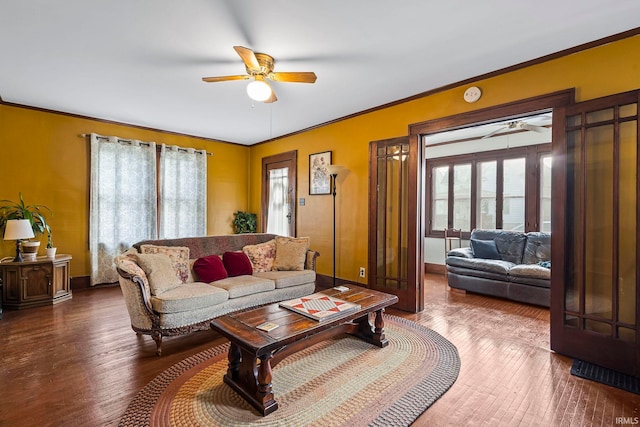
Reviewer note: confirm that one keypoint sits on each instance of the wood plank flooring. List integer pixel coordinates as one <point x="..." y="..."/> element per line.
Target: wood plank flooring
<point x="79" y="364"/>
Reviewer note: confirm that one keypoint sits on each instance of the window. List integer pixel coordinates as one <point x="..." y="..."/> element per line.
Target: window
<point x="491" y="190"/>
<point x="126" y="201"/>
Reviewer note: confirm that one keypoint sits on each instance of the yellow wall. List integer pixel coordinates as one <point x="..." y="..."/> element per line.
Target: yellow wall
<point x="44" y="157"/>
<point x="597" y="72"/>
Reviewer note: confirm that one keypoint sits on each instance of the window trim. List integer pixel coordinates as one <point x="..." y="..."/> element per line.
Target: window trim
<point x="532" y="155"/>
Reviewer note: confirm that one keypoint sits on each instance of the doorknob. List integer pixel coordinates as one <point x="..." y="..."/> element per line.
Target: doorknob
<point x="289" y="217"/>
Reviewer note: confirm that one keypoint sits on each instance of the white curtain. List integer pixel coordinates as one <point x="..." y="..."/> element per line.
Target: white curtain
<point x="277" y="221"/>
<point x="122" y="201"/>
<point x="183" y="192"/>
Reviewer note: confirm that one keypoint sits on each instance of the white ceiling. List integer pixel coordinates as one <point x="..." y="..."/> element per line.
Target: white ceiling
<point x="141" y="61"/>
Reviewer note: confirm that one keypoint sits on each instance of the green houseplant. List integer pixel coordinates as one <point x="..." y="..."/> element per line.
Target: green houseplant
<point x="245" y="222"/>
<point x="36" y="214"/>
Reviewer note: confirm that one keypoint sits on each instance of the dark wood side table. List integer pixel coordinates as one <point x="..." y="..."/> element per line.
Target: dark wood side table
<point x="44" y="281"/>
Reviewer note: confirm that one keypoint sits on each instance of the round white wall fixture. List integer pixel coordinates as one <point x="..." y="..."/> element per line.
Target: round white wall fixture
<point x="472" y="94"/>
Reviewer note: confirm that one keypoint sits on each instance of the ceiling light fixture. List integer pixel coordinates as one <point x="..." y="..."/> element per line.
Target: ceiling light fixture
<point x="259" y="90"/>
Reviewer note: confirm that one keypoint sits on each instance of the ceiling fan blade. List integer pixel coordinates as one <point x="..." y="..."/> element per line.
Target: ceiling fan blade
<point x="224" y="78"/>
<point x="248" y="57"/>
<point x="490" y="134"/>
<point x="533" y="128"/>
<point x="294" y="77"/>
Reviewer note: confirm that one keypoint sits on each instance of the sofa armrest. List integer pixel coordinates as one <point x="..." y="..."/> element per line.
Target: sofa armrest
<point x="461" y="252"/>
<point x="310" y="262"/>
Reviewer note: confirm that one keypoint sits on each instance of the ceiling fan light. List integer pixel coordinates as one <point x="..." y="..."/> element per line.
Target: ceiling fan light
<point x="258" y="90"/>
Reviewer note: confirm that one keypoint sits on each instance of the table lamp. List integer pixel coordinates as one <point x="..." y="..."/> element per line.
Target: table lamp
<point x="18" y="229"/>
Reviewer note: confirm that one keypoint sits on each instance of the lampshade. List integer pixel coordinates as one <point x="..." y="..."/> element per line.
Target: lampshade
<point x="334" y="169"/>
<point x="17" y="229"/>
<point x="258" y="90"/>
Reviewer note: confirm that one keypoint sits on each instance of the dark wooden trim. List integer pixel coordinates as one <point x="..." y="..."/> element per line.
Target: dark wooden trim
<point x="566" y="52"/>
<point x="83" y="283"/>
<point x="325" y="282"/>
<point x="290" y="158"/>
<point x="510" y="110"/>
<point x="435" y="268"/>
<point x="113" y="122"/>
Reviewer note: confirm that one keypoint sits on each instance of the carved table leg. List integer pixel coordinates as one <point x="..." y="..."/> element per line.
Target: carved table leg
<point x="251" y="381"/>
<point x="373" y="335"/>
<point x="264" y="393"/>
<point x="234" y="361"/>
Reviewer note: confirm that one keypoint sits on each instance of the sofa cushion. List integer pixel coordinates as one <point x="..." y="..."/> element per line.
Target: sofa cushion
<point x="188" y="297"/>
<point x="261" y="255"/>
<point x="489" y="265"/>
<point x="237" y="264"/>
<point x="485" y="249"/>
<point x="533" y="271"/>
<point x="538" y="248"/>
<point x="286" y="279"/>
<point x="291" y="253"/>
<point x="510" y="245"/>
<point x="239" y="286"/>
<point x="210" y="268"/>
<point x="160" y="272"/>
<point x="128" y="263"/>
<point x="179" y="256"/>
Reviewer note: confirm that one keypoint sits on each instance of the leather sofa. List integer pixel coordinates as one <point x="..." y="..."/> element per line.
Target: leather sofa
<point x="506" y="264"/>
<point x="189" y="304"/>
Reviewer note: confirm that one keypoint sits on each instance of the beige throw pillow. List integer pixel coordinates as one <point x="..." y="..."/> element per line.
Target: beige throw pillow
<point x="160" y="272"/>
<point x="179" y="256"/>
<point x="291" y="253"/>
<point x="261" y="255"/>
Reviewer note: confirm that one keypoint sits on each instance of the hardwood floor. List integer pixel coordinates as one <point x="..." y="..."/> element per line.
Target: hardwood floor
<point x="79" y="364"/>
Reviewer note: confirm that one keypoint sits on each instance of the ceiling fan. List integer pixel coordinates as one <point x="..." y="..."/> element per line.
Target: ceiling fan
<point x="516" y="125"/>
<point x="260" y="67"/>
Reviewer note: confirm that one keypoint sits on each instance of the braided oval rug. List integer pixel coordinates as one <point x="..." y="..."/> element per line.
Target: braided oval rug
<point x="341" y="381"/>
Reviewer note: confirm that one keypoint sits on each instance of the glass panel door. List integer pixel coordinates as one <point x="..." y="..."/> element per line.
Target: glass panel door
<point x="595" y="271"/>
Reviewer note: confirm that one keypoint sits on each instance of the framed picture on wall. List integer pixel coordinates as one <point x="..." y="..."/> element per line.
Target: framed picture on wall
<point x="319" y="177"/>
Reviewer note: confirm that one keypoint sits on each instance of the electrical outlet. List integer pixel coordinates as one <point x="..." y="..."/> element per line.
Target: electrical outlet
<point x="362" y="272"/>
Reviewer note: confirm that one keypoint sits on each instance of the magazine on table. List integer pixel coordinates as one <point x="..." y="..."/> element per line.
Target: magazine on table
<point x="320" y="306"/>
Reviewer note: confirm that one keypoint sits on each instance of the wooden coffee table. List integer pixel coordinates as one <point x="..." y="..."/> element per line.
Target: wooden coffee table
<point x="253" y="353"/>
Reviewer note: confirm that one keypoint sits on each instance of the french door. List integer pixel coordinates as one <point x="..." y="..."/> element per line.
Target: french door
<point x="279" y="179"/>
<point x="395" y="228"/>
<point x="595" y="220"/>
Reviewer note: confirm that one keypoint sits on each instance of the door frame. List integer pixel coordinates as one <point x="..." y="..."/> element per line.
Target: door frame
<point x="290" y="159"/>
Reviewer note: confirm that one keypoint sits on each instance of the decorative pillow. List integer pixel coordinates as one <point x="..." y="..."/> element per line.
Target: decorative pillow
<point x="237" y="264"/>
<point x="485" y="249"/>
<point x="291" y="253"/>
<point x="159" y="271"/>
<point x="261" y="255"/>
<point x="210" y="268"/>
<point x="179" y="256"/>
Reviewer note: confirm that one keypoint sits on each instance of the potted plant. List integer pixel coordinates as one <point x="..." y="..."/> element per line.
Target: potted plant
<point x="245" y="222"/>
<point x="34" y="213"/>
<point x="51" y="250"/>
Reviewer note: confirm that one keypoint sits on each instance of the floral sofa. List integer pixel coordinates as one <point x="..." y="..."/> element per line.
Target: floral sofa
<point x="507" y="264"/>
<point x="176" y="286"/>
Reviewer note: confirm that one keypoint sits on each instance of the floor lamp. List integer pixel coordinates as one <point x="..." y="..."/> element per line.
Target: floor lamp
<point x="333" y="171"/>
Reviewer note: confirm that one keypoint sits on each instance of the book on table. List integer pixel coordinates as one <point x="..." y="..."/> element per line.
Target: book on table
<point x="320" y="306"/>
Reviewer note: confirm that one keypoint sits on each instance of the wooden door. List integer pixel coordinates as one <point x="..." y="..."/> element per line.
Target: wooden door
<point x="279" y="179"/>
<point x="595" y="220"/>
<point x="395" y="228"/>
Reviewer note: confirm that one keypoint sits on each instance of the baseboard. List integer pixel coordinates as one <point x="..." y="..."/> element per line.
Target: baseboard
<point x="434" y="268"/>
<point x="82" y="283"/>
<point x="326" y="282"/>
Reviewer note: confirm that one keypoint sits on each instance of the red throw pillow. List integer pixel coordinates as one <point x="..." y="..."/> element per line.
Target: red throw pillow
<point x="237" y="264"/>
<point x="210" y="268"/>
